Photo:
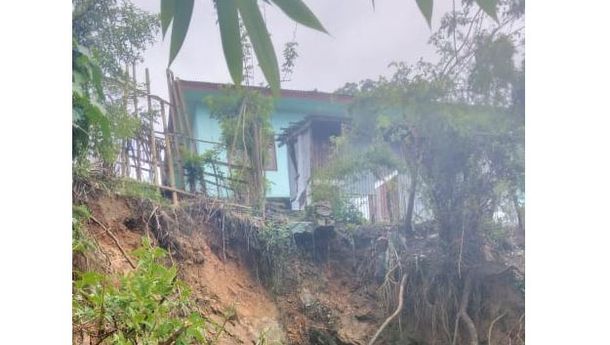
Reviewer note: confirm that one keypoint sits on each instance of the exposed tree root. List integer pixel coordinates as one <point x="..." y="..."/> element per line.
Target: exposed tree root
<point x="463" y="314"/>
<point x="491" y="327"/>
<point x="396" y="312"/>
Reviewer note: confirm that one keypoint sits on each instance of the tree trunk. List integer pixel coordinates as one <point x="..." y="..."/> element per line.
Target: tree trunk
<point x="411" y="202"/>
<point x="519" y="214"/>
<point x="257" y="169"/>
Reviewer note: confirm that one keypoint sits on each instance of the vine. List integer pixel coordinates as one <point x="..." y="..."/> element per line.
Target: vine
<point x="245" y="121"/>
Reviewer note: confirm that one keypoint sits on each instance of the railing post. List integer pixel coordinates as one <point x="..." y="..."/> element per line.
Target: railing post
<point x="153" y="143"/>
<point x="135" y="109"/>
<point x="169" y="156"/>
<point x="125" y="143"/>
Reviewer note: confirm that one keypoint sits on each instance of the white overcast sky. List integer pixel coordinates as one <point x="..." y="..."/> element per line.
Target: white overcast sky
<point x="361" y="44"/>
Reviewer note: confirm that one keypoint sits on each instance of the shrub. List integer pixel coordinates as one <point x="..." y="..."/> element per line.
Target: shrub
<point x="146" y="306"/>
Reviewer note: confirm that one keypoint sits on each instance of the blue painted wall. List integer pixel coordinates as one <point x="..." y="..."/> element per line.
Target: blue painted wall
<point x="286" y="112"/>
<point x="279" y="179"/>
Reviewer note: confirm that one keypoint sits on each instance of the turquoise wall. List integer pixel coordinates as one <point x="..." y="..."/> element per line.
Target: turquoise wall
<point x="286" y="112"/>
<point x="207" y="128"/>
<point x="280" y="187"/>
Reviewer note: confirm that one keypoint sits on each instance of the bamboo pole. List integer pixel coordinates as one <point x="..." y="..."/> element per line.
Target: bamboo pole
<point x="174" y="115"/>
<point x="169" y="157"/>
<point x="185" y="118"/>
<point x="135" y="110"/>
<point x="153" y="144"/>
<point x="125" y="143"/>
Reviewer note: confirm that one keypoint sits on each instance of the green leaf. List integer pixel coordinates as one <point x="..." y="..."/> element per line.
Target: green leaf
<point x="228" y="20"/>
<point x="425" y="6"/>
<point x="89" y="278"/>
<point x="167" y="14"/>
<point x="300" y="13"/>
<point x="489" y="7"/>
<point x="182" y="18"/>
<point x="261" y="42"/>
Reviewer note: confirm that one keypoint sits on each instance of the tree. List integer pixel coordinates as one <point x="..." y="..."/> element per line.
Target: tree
<point x="116" y="31"/>
<point x="477" y="54"/>
<point x="458" y="123"/>
<point x="108" y="35"/>
<point x="91" y="127"/>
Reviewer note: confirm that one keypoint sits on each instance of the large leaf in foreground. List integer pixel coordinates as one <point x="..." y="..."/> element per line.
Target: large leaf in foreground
<point x="182" y="18"/>
<point x="425" y="6"/>
<point x="261" y="42"/>
<point x="489" y="7"/>
<point x="300" y="13"/>
<point x="167" y="14"/>
<point x="228" y="21"/>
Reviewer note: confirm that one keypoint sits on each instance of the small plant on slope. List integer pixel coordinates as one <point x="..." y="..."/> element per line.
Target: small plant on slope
<point x="146" y="306"/>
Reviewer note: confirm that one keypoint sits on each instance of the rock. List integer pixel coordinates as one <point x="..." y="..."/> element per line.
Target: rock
<point x="320" y="337"/>
<point x="352" y="331"/>
<point x="307" y="298"/>
<point x="198" y="257"/>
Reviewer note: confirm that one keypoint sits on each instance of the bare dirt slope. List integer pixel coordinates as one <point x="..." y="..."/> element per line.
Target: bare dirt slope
<point x="321" y="303"/>
<point x="327" y="293"/>
<point x="216" y="285"/>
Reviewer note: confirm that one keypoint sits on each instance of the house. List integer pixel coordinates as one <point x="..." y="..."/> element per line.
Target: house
<point x="325" y="111"/>
<point x="304" y="123"/>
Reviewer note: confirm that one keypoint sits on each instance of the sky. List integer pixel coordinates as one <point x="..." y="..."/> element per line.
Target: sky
<point x="362" y="41"/>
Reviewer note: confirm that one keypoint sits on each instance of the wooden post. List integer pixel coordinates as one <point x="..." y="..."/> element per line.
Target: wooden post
<point x="135" y="109"/>
<point x="169" y="156"/>
<point x="153" y="144"/>
<point x="186" y="128"/>
<point x="178" y="128"/>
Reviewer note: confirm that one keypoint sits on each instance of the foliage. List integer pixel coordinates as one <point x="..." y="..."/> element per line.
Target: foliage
<point x="230" y="13"/>
<point x="345" y="213"/>
<point x="91" y="128"/>
<point x="116" y="31"/>
<point x="80" y="242"/>
<point x="350" y="161"/>
<point x="278" y="242"/>
<point x="488" y="6"/>
<point x="139" y="190"/>
<point x="275" y="236"/>
<point x="97" y="126"/>
<point x="465" y="151"/>
<point x="149" y="305"/>
<point x="193" y="168"/>
<point x="262" y="338"/>
<point x="477" y="54"/>
<point x="245" y="121"/>
<point x="342" y="210"/>
<point x="457" y="124"/>
<point x="290" y="55"/>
